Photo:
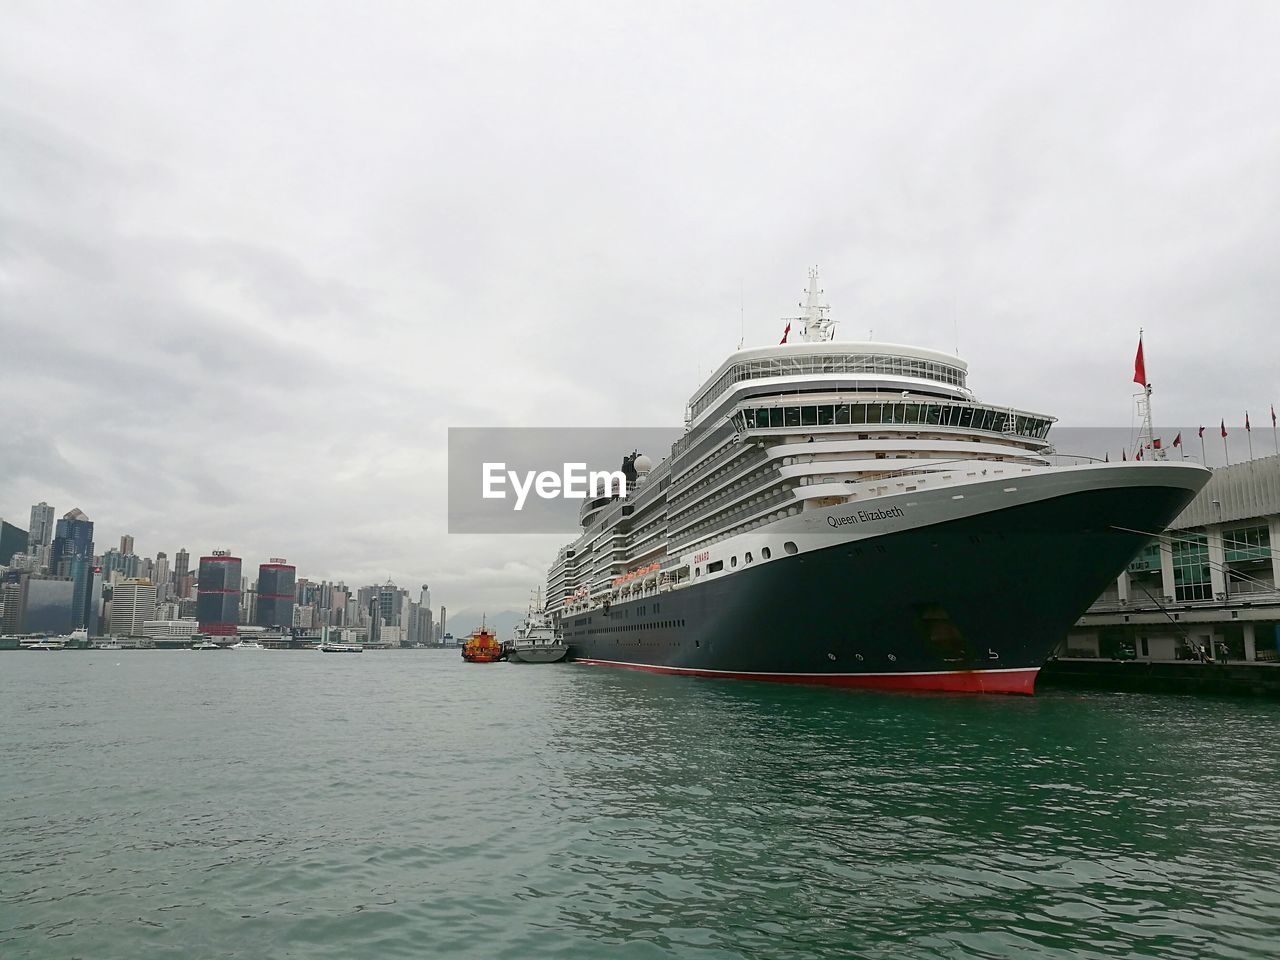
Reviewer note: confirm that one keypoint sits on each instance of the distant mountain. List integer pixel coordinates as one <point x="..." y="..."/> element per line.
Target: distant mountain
<point x="502" y="623"/>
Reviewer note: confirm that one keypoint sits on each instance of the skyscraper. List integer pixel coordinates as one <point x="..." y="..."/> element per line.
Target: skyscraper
<point x="276" y="588"/>
<point x="35" y="603"/>
<point x="13" y="539"/>
<point x="132" y="603"/>
<point x="40" y="531"/>
<point x="218" y="594"/>
<point x="71" y="555"/>
<point x="160" y="575"/>
<point x="126" y="544"/>
<point x="181" y="564"/>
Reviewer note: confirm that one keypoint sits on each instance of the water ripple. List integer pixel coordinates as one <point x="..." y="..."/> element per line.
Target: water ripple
<point x="407" y="805"/>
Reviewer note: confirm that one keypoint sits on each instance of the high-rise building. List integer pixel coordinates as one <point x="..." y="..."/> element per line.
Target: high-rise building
<point x="94" y="616"/>
<point x="126" y="544"/>
<point x="35" y="603"/>
<point x="276" y="592"/>
<point x="160" y="575"/>
<point x="13" y="539"/>
<point x="181" y="564"/>
<point x="391" y="602"/>
<point x="133" y="602"/>
<point x="40" y="531"/>
<point x="71" y="555"/>
<point x="218" y="593"/>
<point x="443" y="627"/>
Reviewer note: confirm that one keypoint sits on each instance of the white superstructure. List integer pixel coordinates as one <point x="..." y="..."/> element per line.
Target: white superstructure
<point x="778" y="431"/>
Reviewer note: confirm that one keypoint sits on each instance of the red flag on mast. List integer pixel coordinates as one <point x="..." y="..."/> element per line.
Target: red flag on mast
<point x="1202" y="433"/>
<point x="1224" y="429"/>
<point x="1246" y="422"/>
<point x="1177" y="441"/>
<point x="785" y="333"/>
<point x="1273" y="414"/>
<point x="1123" y="455"/>
<point x="1139" y="367"/>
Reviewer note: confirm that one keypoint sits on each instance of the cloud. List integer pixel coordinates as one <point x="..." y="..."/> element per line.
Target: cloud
<point x="248" y="282"/>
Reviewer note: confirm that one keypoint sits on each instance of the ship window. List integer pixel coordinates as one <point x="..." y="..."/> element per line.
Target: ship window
<point x="858" y="413"/>
<point x="826" y="415"/>
<point x="697" y="571"/>
<point x="748" y="556"/>
<point x="808" y="416"/>
<point x="762" y="417"/>
<point x="842" y="413"/>
<point x="790" y="547"/>
<point x="733" y="561"/>
<point x="776" y="417"/>
<point x="715" y="566"/>
<point x="913" y="413"/>
<point x="791" y="416"/>
<point x="766" y="552"/>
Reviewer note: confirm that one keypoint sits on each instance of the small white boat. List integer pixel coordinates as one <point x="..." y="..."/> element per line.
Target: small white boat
<point x="328" y="647"/>
<point x="206" y="645"/>
<point x="45" y="645"/>
<point x="108" y="645"/>
<point x="535" y="639"/>
<point x="246" y="645"/>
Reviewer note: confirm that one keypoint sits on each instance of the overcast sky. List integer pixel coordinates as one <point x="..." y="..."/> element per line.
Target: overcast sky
<point x="255" y="259"/>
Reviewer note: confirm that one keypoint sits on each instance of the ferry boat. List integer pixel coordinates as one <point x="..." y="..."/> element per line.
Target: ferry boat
<point x="536" y="639"/>
<point x="329" y="646"/>
<point x="247" y="645"/>
<point x="852" y="514"/>
<point x="482" y="646"/>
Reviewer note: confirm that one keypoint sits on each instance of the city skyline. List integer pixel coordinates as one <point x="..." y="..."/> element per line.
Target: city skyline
<point x="245" y="313"/>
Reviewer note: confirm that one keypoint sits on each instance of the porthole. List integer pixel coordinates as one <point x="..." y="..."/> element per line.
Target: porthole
<point x="748" y="556"/>
<point x="766" y="552"/>
<point x="791" y="548"/>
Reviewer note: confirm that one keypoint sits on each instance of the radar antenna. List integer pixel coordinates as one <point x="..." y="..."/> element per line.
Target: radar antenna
<point x="816" y="326"/>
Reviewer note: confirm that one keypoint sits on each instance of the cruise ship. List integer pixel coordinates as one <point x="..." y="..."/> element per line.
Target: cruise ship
<point x="850" y="513"/>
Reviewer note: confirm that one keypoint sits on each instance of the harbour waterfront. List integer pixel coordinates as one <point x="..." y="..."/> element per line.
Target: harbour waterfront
<point x="408" y="804"/>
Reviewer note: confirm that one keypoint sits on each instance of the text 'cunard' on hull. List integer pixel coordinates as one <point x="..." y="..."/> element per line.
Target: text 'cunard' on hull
<point x="851" y="514"/>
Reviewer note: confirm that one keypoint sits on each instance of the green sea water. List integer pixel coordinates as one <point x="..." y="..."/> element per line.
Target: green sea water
<point x="404" y="804"/>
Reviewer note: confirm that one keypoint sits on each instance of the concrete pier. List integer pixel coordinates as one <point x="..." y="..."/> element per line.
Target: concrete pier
<point x="1232" y="678"/>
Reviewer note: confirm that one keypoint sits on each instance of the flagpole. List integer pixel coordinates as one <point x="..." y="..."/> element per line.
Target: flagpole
<point x="1204" y="460"/>
<point x="1225" y="454"/>
<point x="1249" y="433"/>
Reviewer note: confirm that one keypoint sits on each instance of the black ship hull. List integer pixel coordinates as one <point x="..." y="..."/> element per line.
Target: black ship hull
<point x="975" y="604"/>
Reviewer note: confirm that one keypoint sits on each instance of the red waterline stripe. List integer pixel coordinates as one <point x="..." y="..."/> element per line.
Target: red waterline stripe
<point x="1008" y="680"/>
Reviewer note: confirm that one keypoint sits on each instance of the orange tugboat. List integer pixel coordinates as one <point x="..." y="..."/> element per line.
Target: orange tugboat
<point x="482" y="646"/>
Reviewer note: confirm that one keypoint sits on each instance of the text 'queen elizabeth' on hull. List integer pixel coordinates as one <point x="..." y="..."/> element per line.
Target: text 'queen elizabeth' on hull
<point x="850" y="514"/>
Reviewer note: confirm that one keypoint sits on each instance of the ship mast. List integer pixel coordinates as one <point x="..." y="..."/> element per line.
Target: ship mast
<point x="1146" y="437"/>
<point x="816" y="326"/>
